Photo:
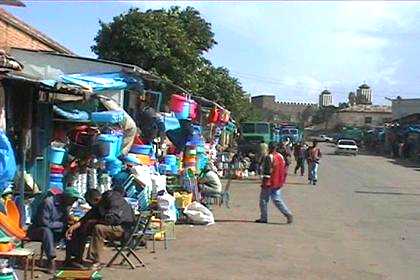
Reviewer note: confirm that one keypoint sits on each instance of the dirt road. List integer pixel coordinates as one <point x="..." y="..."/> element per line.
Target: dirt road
<point x="361" y="222"/>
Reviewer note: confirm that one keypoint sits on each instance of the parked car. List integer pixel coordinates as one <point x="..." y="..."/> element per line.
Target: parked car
<point x="322" y="138"/>
<point x="346" y="146"/>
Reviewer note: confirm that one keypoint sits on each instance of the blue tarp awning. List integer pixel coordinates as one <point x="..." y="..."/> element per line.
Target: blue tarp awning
<point x="96" y="81"/>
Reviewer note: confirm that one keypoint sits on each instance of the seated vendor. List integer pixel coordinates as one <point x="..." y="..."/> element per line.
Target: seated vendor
<point x="209" y="181"/>
<point x="110" y="218"/>
<point x="50" y="220"/>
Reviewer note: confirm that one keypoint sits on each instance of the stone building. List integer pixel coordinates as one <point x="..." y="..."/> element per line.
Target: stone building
<point x="283" y="111"/>
<point x="14" y="33"/>
<point x="325" y="99"/>
<point x="361" y="116"/>
<point x="404" y="107"/>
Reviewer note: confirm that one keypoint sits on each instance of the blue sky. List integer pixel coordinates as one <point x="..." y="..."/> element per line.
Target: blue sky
<point x="291" y="49"/>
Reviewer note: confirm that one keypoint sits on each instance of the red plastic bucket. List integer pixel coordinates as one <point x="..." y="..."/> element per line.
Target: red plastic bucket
<point x="193" y="109"/>
<point x="57" y="169"/>
<point x="214" y="115"/>
<point x="178" y="103"/>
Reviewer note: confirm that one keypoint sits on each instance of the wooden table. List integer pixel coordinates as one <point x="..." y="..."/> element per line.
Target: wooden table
<point x="27" y="256"/>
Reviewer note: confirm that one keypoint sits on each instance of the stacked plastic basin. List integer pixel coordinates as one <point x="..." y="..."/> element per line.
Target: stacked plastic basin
<point x="143" y="153"/>
<point x="202" y="158"/>
<point x="190" y="158"/>
<point x="56" y="157"/>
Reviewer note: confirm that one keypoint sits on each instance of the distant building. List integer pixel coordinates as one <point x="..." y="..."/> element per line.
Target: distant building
<point x="361" y="116"/>
<point x="283" y="111"/>
<point x="14" y="33"/>
<point x="325" y="99"/>
<point x="364" y="95"/>
<point x="404" y="107"/>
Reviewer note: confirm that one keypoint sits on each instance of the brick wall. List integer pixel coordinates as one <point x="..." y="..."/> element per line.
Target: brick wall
<point x="13" y="37"/>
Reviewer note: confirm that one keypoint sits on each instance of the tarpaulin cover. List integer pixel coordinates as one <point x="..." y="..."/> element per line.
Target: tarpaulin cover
<point x="97" y="82"/>
<point x="7" y="161"/>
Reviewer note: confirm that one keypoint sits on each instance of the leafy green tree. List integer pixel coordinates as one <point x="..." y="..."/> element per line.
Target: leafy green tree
<point x="171" y="44"/>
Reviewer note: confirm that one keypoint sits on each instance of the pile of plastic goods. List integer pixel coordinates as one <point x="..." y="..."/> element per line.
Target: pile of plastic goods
<point x="110" y="140"/>
<point x="57" y="154"/>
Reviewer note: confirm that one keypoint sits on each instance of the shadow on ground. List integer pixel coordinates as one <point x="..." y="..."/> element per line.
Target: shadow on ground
<point x="244" y="221"/>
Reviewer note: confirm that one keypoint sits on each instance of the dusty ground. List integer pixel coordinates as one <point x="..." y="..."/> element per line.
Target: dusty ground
<point x="361" y="222"/>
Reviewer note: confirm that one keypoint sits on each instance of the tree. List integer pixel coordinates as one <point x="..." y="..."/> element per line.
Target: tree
<point x="324" y="114"/>
<point x="171" y="43"/>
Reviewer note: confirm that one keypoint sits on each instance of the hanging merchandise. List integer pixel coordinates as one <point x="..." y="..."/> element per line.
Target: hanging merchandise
<point x="180" y="105"/>
<point x="109" y="117"/>
<point x="110" y="143"/>
<point x="214" y="115"/>
<point x="193" y="114"/>
<point x="57" y="155"/>
<point x="170" y="122"/>
<point x="224" y="116"/>
<point x="7" y="161"/>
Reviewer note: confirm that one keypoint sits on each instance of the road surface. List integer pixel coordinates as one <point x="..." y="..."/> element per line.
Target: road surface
<point x="361" y="222"/>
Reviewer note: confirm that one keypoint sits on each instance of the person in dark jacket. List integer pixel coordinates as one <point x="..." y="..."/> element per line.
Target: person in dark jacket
<point x="110" y="218"/>
<point x="50" y="222"/>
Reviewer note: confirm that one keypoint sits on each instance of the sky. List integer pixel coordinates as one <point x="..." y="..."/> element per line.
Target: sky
<point x="293" y="50"/>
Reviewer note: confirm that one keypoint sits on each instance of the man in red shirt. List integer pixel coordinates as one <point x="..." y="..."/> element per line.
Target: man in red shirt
<point x="274" y="176"/>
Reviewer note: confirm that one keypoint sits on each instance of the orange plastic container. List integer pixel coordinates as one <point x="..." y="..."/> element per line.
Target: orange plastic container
<point x="12" y="212"/>
<point x="144" y="159"/>
<point x="10" y="228"/>
<point x="190" y="159"/>
<point x="6" y="247"/>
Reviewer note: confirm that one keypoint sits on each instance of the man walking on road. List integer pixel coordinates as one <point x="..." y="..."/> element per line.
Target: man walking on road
<point x="273" y="180"/>
<point x="299" y="153"/>
<point x="314" y="155"/>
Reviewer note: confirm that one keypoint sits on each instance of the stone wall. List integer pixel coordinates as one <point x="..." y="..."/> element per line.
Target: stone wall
<point x="358" y="119"/>
<point x="293" y="110"/>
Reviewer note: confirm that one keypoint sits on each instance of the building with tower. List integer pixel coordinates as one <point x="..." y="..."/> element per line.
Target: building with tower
<point x="325" y="99"/>
<point x="364" y="95"/>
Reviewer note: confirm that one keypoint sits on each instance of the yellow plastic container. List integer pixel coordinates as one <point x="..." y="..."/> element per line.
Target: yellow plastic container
<point x="182" y="199"/>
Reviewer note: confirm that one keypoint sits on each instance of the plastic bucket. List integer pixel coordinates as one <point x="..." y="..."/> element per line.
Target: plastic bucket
<point x="57" y="155"/>
<point x="55" y="177"/>
<point x="184" y="114"/>
<point x="214" y="115"/>
<point x="171" y="123"/>
<point x="111" y="141"/>
<point x="178" y="103"/>
<point x="193" y="109"/>
<point x="170" y="160"/>
<point x="113" y="167"/>
<point x="58" y="185"/>
<point x="141" y="149"/>
<point x="120" y="137"/>
<point x="57" y="169"/>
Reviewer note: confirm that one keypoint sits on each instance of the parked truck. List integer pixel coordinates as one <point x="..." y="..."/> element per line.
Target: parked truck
<point x="291" y="132"/>
<point x="252" y="133"/>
